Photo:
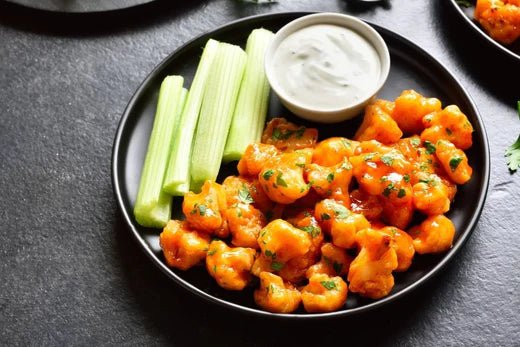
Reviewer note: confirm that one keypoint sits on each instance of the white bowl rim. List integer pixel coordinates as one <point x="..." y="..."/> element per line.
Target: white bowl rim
<point x="338" y="19"/>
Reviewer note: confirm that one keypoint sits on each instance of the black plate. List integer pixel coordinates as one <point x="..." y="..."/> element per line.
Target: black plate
<point x="79" y="6"/>
<point x="466" y="13"/>
<point x="411" y="68"/>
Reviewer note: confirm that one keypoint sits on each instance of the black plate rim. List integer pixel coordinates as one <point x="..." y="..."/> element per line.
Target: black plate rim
<point x="483" y="34"/>
<point x="257" y="312"/>
<point x="52" y="9"/>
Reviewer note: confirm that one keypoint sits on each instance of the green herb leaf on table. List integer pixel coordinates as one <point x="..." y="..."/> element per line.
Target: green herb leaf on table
<point x="513" y="152"/>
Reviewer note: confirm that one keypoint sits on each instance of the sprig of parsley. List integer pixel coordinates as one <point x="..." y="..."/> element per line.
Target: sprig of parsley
<point x="464" y="3"/>
<point x="513" y="152"/>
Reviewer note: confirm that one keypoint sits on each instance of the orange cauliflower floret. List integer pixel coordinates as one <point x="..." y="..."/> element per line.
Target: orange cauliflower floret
<point x="182" y="247"/>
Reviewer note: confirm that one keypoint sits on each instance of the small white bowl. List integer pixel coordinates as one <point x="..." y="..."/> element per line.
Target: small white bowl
<point x="332" y="113"/>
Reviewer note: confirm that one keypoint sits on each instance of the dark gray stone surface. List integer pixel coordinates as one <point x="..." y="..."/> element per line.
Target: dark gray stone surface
<point x="79" y="6"/>
<point x="70" y="273"/>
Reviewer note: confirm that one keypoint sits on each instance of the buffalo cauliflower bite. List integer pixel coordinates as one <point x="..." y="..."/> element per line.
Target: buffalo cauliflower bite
<point x="334" y="262"/>
<point x="295" y="269"/>
<point x="254" y="158"/>
<point x="434" y="235"/>
<point x="331" y="181"/>
<point x="182" y="247"/>
<point x="403" y="245"/>
<point x="287" y="136"/>
<point x="324" y="293"/>
<point x="378" y="124"/>
<point x="204" y="211"/>
<point x="275" y="295"/>
<point x="431" y="196"/>
<point x="230" y="267"/>
<point x="454" y="162"/>
<point x="363" y="203"/>
<point x="333" y="150"/>
<point x="244" y="221"/>
<point x="282" y="177"/>
<point x="281" y="242"/>
<point x="370" y="273"/>
<point x="449" y="124"/>
<point x="382" y="171"/>
<point x="341" y="223"/>
<point x="410" y="108"/>
<point x="500" y="18"/>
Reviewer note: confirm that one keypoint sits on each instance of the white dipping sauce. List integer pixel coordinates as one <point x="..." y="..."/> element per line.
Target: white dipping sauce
<point x="326" y="67"/>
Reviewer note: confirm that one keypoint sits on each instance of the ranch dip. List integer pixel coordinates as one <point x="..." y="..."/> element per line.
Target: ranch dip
<point x="326" y="67"/>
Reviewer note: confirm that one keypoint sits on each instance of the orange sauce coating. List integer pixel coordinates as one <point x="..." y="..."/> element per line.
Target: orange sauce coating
<point x="314" y="220"/>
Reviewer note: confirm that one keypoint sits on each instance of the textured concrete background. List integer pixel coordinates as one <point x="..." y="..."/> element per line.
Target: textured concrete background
<point x="71" y="274"/>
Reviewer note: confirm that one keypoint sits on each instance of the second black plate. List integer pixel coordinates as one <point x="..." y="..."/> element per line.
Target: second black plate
<point x="79" y="6"/>
<point x="411" y="68"/>
<point x="466" y="14"/>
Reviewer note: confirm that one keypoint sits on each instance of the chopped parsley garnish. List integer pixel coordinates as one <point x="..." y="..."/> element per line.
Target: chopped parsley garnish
<point x="280" y="135"/>
<point x="327" y="260"/>
<point x="406" y="178"/>
<point x="312" y="230"/>
<point x="430" y="147"/>
<point x="276" y="265"/>
<point x="454" y="162"/>
<point x="201" y="208"/>
<point x="387" y="160"/>
<point x="329" y="285"/>
<point x="268" y="174"/>
<point x="464" y="3"/>
<point x="270" y="254"/>
<point x="388" y="190"/>
<point x="325" y="216"/>
<point x="330" y="177"/>
<point x="244" y="195"/>
<point x="280" y="181"/>
<point x="276" y="134"/>
<point x="401" y="193"/>
<point x="213" y="251"/>
<point x="300" y="132"/>
<point x="345" y="166"/>
<point x="302" y="165"/>
<point x="337" y="267"/>
<point x="383" y="179"/>
<point x="415" y="142"/>
<point x="368" y="157"/>
<point x="341" y="211"/>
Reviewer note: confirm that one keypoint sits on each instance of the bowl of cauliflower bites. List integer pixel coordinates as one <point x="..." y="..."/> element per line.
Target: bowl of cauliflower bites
<point x="303" y="225"/>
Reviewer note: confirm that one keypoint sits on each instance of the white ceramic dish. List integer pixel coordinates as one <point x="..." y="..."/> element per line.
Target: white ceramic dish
<point x="334" y="112"/>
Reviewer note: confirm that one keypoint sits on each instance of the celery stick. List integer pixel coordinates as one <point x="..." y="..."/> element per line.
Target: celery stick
<point x="251" y="110"/>
<point x="177" y="178"/>
<point x="216" y="113"/>
<point x="153" y="206"/>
